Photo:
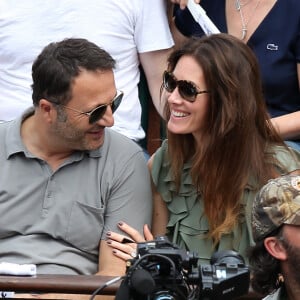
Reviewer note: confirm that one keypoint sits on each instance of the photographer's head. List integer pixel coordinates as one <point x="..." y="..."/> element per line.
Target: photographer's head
<point x="74" y="92"/>
<point x="276" y="230"/>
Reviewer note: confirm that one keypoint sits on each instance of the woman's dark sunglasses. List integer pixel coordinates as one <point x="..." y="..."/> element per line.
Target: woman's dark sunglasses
<point x="97" y="113"/>
<point x="187" y="89"/>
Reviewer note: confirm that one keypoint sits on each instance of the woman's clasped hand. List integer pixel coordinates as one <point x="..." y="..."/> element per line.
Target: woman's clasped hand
<point x="124" y="246"/>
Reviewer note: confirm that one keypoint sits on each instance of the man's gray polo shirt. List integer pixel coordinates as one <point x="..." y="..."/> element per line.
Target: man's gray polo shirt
<point x="57" y="219"/>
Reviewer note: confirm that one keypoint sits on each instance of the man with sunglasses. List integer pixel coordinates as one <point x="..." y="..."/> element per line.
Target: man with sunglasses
<point x="66" y="180"/>
<point x="275" y="258"/>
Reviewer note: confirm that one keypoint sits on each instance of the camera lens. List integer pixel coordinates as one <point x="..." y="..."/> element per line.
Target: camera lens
<point x="163" y="295"/>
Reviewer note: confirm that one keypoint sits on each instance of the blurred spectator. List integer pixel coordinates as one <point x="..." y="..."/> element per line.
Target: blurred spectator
<point x="275" y="259"/>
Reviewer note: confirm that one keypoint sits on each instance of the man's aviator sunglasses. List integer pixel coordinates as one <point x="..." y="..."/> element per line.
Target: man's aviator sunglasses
<point x="187" y="89"/>
<point x="97" y="113"/>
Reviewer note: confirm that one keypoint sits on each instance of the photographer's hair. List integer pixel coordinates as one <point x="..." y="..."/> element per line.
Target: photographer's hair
<point x="236" y="133"/>
<point x="59" y="63"/>
<point x="265" y="268"/>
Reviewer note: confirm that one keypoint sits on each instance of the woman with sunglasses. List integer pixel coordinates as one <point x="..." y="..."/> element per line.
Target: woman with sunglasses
<point x="271" y="28"/>
<point x="221" y="148"/>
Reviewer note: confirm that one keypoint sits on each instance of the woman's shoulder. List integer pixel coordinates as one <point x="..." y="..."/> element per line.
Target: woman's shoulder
<point x="158" y="160"/>
<point x="160" y="154"/>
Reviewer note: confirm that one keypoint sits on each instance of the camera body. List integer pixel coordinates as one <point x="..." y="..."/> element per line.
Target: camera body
<point x="163" y="271"/>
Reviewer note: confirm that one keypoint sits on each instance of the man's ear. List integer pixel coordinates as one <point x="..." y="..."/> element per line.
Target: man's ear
<point x="47" y="109"/>
<point x="275" y="248"/>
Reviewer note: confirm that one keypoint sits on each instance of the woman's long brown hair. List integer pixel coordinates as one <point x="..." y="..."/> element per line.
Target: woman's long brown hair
<point x="237" y="130"/>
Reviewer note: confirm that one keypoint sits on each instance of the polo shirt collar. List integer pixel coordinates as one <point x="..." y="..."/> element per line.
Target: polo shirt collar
<point x="13" y="140"/>
<point x="14" y="143"/>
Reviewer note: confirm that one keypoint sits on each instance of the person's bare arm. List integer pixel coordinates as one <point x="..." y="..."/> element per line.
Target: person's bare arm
<point x="288" y="126"/>
<point x="154" y="63"/>
<point x="160" y="214"/>
<point x="109" y="264"/>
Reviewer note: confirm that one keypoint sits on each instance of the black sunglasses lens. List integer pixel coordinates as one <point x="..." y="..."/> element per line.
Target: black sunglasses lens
<point x="169" y="82"/>
<point x="187" y="90"/>
<point x="116" y="103"/>
<point x="97" y="114"/>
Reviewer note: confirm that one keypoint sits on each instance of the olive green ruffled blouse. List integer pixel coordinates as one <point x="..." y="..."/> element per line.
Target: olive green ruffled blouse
<point x="187" y="226"/>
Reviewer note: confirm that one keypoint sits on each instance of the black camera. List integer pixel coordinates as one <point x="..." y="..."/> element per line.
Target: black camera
<point x="163" y="271"/>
